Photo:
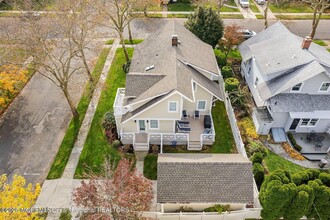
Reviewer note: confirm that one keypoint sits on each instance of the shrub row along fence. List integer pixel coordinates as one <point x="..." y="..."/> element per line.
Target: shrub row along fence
<point x="253" y="213"/>
<point x="238" y="140"/>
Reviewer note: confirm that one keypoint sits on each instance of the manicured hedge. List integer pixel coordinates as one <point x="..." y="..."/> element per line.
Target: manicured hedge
<point x="259" y="174"/>
<point x="231" y="84"/>
<point x="227" y="71"/>
<point x="294" y="143"/>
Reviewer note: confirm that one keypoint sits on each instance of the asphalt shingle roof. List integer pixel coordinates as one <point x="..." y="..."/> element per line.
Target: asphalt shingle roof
<point x="174" y="67"/>
<point x="204" y="178"/>
<point x="289" y="102"/>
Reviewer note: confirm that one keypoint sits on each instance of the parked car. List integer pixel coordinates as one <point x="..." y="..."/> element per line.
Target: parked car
<point x="244" y="3"/>
<point x="260" y="2"/>
<point x="247" y="33"/>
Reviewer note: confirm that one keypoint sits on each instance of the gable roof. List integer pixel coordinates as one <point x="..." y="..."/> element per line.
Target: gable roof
<point x="171" y="64"/>
<point x="204" y="178"/>
<point x="281" y="84"/>
<point x="277" y="50"/>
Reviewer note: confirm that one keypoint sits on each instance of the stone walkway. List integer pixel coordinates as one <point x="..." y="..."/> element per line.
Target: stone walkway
<point x="58" y="193"/>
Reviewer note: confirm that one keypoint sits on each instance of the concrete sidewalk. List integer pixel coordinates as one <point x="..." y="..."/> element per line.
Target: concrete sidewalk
<point x="57" y="193"/>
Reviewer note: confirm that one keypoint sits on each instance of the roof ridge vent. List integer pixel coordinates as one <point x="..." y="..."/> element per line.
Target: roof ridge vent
<point x="150" y="67"/>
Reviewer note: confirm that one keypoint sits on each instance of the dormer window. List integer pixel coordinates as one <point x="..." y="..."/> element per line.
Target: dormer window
<point x="325" y="87"/>
<point x="297" y="87"/>
<point x="256" y="82"/>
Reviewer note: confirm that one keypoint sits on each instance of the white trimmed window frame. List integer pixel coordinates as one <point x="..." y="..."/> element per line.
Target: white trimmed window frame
<point x="304" y="120"/>
<point x="316" y="121"/>
<point x="169" y="106"/>
<point x="322" y="86"/>
<point x="197" y="105"/>
<point x="150" y="127"/>
<point x="300" y="88"/>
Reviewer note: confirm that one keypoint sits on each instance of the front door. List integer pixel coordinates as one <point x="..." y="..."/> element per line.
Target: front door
<point x="142" y="126"/>
<point x="294" y="124"/>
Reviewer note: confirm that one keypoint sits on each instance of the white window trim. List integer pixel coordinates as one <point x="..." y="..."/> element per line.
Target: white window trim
<point x="169" y="104"/>
<point x="150" y="124"/>
<point x="309" y="125"/>
<point x="301" y="121"/>
<point x="302" y="84"/>
<point x="322" y="85"/>
<point x="201" y="101"/>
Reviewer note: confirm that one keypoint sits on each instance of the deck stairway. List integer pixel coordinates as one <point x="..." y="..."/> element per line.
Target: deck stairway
<point x="141" y="142"/>
<point x="194" y="145"/>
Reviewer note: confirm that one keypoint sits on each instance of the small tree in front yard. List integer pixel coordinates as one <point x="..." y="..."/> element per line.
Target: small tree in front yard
<point x="109" y="124"/>
<point x="124" y="192"/>
<point x="231" y="38"/>
<point x="206" y="24"/>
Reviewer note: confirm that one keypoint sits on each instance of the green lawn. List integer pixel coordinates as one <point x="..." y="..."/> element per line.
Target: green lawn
<point x="231" y="2"/>
<point x="273" y="162"/>
<point x="150" y="166"/>
<point x="253" y="7"/>
<point x="96" y="147"/>
<point x="178" y="6"/>
<point x="300" y="17"/>
<point x="135" y="41"/>
<point x="109" y="42"/>
<point x="224" y="140"/>
<point x="178" y="15"/>
<point x="71" y="134"/>
<point x="259" y="16"/>
<point x="229" y="9"/>
<point x="320" y="42"/>
<point x="329" y="50"/>
<point x="292" y="7"/>
<point x="231" y="16"/>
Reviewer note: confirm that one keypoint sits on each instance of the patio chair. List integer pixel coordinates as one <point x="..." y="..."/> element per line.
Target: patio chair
<point x="196" y="115"/>
<point x="311" y="136"/>
<point x="184" y="114"/>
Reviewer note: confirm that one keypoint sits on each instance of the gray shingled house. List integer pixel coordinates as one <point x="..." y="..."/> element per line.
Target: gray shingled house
<point x="289" y="78"/>
<point x="170" y="90"/>
<point x="200" y="181"/>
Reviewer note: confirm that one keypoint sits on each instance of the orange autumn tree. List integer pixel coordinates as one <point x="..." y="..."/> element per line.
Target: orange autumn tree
<point x="231" y="38"/>
<point x="17" y="195"/>
<point x="12" y="79"/>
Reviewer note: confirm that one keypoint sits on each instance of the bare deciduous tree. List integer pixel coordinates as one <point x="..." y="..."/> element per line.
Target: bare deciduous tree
<point x="52" y="54"/>
<point x="318" y="7"/>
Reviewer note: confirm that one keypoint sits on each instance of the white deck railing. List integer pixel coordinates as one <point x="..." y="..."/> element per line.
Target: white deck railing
<point x="118" y="106"/>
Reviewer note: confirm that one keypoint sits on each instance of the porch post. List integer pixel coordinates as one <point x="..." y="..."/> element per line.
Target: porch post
<point x="161" y="143"/>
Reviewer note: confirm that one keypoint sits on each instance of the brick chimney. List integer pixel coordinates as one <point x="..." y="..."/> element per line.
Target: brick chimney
<point x="306" y="43"/>
<point x="175" y="40"/>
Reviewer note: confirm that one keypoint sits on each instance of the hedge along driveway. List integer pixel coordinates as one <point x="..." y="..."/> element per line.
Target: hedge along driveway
<point x="71" y="134"/>
<point x="97" y="147"/>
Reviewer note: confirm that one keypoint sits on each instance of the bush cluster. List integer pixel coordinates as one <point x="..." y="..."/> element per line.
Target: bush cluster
<point x="227" y="71"/>
<point x="259" y="174"/>
<point x="231" y="84"/>
<point x="217" y="208"/>
<point x="293" y="141"/>
<point x="256" y="146"/>
<point x="292" y="153"/>
<point x="247" y="128"/>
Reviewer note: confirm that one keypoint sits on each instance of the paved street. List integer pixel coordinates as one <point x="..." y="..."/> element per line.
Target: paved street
<point x="32" y="128"/>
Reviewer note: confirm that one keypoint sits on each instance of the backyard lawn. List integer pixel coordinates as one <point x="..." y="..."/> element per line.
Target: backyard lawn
<point x="180" y="6"/>
<point x="150" y="166"/>
<point x="96" y="147"/>
<point x="71" y="134"/>
<point x="273" y="162"/>
<point x="224" y="140"/>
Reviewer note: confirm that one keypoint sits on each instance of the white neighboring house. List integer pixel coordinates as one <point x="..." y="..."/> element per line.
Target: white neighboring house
<point x="289" y="78"/>
<point x="170" y="91"/>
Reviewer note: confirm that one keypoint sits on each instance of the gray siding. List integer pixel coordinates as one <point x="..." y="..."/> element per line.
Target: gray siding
<point x="280" y="119"/>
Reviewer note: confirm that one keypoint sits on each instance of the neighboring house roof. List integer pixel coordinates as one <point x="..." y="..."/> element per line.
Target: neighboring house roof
<point x="293" y="102"/>
<point x="174" y="67"/>
<point x="277" y="50"/>
<point x="204" y="178"/>
<point x="281" y="84"/>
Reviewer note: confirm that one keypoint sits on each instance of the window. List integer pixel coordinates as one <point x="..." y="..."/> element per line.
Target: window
<point x="256" y="82"/>
<point x="154" y="124"/>
<point x="313" y="121"/>
<point x="194" y="87"/>
<point x="201" y="105"/>
<point x="172" y="107"/>
<point x="325" y="87"/>
<point x="297" y="87"/>
<point x="305" y="121"/>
